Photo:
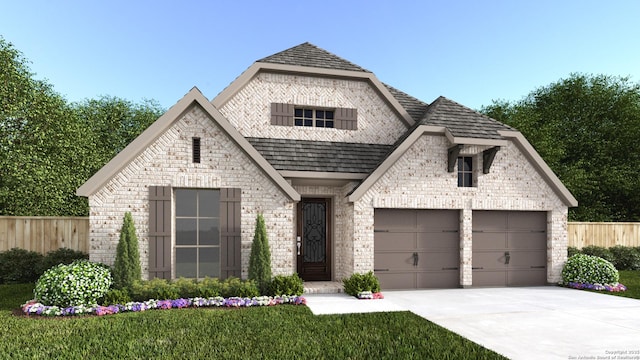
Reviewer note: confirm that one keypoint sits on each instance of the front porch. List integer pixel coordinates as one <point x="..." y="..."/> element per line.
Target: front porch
<point x="323" y="287"/>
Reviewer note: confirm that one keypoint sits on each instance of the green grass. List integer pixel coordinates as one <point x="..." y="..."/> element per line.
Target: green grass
<point x="284" y="331"/>
<point x="630" y="279"/>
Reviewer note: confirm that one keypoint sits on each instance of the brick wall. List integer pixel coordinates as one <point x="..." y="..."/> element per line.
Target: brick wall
<point x="249" y="109"/>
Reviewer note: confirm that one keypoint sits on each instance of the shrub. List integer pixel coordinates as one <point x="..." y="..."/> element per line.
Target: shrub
<point x="588" y="269"/>
<point x="158" y="289"/>
<point x="209" y="287"/>
<point x="286" y="285"/>
<point x="19" y="266"/>
<point x="62" y="256"/>
<point x="115" y="296"/>
<point x="358" y="283"/>
<point x="260" y="259"/>
<point x="233" y="286"/>
<point x="625" y="258"/>
<point x="126" y="268"/>
<point x="598" y="251"/>
<point x="187" y="288"/>
<point x="79" y="283"/>
<point x="572" y="251"/>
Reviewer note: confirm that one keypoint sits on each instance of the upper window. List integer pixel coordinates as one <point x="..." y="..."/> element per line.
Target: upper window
<point x="195" y="149"/>
<point x="197" y="233"/>
<point x="313" y="118"/>
<point x="465" y="171"/>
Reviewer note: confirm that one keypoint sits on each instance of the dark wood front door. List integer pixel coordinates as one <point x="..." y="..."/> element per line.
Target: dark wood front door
<point x="314" y="239"/>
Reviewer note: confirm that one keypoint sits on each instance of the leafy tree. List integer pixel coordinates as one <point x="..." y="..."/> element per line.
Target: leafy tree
<point x="586" y="128"/>
<point x="126" y="268"/>
<point x="50" y="147"/>
<point x="260" y="259"/>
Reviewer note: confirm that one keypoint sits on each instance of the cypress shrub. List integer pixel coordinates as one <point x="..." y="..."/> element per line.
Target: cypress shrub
<point x="260" y="259"/>
<point x="126" y="268"/>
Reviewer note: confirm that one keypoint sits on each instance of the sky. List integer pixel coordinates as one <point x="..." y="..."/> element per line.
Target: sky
<point x="472" y="52"/>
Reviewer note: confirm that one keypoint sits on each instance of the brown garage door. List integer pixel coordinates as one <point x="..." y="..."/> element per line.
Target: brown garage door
<point x="509" y="248"/>
<point x="417" y="248"/>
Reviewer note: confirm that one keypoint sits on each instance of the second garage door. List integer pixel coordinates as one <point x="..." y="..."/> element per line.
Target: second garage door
<point x="509" y="248"/>
<point x="417" y="248"/>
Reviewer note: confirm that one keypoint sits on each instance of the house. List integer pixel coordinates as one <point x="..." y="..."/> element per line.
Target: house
<point x="350" y="174"/>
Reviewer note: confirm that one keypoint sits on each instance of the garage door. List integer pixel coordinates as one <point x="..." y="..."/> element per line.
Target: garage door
<point x="509" y="248"/>
<point x="417" y="248"/>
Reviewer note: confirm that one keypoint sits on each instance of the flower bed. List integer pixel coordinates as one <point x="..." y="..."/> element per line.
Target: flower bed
<point x="34" y="308"/>
<point x="584" y="286"/>
<point x="368" y="295"/>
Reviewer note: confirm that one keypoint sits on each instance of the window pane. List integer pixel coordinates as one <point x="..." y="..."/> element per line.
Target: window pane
<point x="468" y="164"/>
<point x="298" y="122"/>
<point x="209" y="203"/>
<point x="186" y="232"/>
<point x="328" y="114"/>
<point x="209" y="262"/>
<point x="460" y="179"/>
<point x="186" y="265"/>
<point x="308" y="123"/>
<point x="328" y="124"/>
<point x="186" y="202"/>
<point x="320" y="123"/>
<point x="319" y="114"/>
<point x="308" y="113"/>
<point x="468" y="179"/>
<point x="209" y="232"/>
<point x="298" y="113"/>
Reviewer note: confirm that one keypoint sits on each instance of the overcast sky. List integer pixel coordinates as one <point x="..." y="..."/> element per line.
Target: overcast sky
<point x="469" y="51"/>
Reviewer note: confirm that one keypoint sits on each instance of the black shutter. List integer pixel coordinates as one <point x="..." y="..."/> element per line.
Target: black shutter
<point x="282" y="114"/>
<point x="230" y="233"/>
<point x="346" y="119"/>
<point x="160" y="232"/>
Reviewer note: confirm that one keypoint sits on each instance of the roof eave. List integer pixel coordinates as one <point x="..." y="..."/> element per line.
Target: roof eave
<point x="532" y="155"/>
<point x="193" y="97"/>
<point x="474" y="141"/>
<point x="256" y="67"/>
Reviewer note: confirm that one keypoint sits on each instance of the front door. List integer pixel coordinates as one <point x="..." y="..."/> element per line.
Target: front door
<point x="314" y="239"/>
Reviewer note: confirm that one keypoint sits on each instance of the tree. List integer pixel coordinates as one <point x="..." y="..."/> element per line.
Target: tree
<point x="260" y="259"/>
<point x="586" y="128"/>
<point x="126" y="268"/>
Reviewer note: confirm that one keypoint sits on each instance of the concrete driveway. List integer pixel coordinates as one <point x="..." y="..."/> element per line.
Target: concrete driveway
<point x="519" y="323"/>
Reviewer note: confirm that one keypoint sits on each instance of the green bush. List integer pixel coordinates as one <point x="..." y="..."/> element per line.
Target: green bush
<point x="115" y="296"/>
<point x="598" y="251"/>
<point x="187" y="288"/>
<point x="260" y="258"/>
<point x="358" y="283"/>
<point x="158" y="289"/>
<point x="286" y="285"/>
<point x="625" y="258"/>
<point x="79" y="283"/>
<point x="126" y="269"/>
<point x="572" y="251"/>
<point x="62" y="256"/>
<point x="209" y="287"/>
<point x="162" y="289"/>
<point x="235" y="287"/>
<point x="588" y="269"/>
<point x="20" y="266"/>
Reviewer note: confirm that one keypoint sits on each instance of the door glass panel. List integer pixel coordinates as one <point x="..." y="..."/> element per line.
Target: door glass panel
<point x="186" y="264"/>
<point x="209" y="262"/>
<point x="186" y="233"/>
<point x="314" y="229"/>
<point x="186" y="202"/>
<point x="209" y="232"/>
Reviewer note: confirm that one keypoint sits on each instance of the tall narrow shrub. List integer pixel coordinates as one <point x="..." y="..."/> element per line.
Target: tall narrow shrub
<point x="260" y="260"/>
<point x="126" y="268"/>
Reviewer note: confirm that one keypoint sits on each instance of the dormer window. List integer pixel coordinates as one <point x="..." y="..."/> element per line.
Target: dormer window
<point x="313" y="117"/>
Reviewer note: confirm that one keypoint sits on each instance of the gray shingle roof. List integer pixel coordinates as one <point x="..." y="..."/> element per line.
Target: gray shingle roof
<point x="322" y="156"/>
<point x="414" y="107"/>
<point x="462" y="121"/>
<point x="307" y="54"/>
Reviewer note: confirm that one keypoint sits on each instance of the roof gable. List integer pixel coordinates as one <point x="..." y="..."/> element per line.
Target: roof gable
<point x="307" y="54"/>
<point x="192" y="98"/>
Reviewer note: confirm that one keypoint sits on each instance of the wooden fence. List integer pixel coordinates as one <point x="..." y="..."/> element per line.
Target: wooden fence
<point x="607" y="234"/>
<point x="44" y="234"/>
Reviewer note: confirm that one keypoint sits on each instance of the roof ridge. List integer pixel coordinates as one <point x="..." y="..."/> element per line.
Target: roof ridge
<point x="308" y="54"/>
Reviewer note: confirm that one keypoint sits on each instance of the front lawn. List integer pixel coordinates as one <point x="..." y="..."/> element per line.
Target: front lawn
<point x="630" y="279"/>
<point x="283" y="331"/>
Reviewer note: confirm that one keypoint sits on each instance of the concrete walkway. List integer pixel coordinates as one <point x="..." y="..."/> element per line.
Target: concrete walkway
<point x="519" y="323"/>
